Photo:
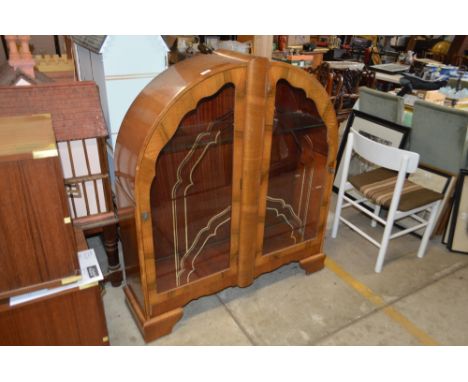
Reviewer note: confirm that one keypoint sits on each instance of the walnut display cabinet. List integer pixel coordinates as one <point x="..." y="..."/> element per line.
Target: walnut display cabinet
<point x="224" y="168"/>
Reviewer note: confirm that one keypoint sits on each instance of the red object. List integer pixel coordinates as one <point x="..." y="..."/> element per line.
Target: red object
<point x="367" y="56"/>
<point x="282" y="42"/>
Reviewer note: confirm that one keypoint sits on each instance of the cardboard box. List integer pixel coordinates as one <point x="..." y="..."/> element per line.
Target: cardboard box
<point x="433" y="96"/>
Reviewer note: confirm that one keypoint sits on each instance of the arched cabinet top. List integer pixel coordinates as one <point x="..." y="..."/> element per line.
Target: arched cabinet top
<point x="314" y="91"/>
<point x="156" y="112"/>
<point x="268" y="148"/>
<point x="161" y="94"/>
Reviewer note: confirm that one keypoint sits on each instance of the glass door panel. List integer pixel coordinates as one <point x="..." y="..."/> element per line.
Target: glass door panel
<point x="191" y="194"/>
<point x="299" y="153"/>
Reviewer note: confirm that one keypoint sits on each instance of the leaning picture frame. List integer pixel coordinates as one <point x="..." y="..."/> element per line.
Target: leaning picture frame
<point x="377" y="129"/>
<point x="458" y="233"/>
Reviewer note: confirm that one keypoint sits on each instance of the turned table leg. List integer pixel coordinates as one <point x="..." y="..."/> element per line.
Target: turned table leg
<point x="110" y="240"/>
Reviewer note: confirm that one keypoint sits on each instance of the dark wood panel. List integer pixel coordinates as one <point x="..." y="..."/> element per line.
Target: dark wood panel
<point x="19" y="265"/>
<point x="36" y="245"/>
<point x="74" y="317"/>
<point x="48" y="208"/>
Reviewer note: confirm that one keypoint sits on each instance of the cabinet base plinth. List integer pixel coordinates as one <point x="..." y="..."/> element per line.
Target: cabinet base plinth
<point x="154" y="327"/>
<point x="313" y="263"/>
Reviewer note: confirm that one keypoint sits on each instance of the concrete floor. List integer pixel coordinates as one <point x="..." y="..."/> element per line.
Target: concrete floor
<point x="412" y="302"/>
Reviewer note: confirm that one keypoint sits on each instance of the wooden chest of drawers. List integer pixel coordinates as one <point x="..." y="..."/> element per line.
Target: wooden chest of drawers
<point x="74" y="317"/>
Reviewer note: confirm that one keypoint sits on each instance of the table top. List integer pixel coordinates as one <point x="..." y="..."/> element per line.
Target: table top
<point x="342" y="65"/>
<point x="304" y="56"/>
<point x="27" y="136"/>
<point x="428" y="61"/>
<point x="392" y="78"/>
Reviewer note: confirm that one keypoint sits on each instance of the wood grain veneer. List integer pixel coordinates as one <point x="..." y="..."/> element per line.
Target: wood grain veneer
<point x="213" y="160"/>
<point x="37" y="243"/>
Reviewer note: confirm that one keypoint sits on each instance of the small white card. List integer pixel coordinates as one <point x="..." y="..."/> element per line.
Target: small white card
<point x="89" y="266"/>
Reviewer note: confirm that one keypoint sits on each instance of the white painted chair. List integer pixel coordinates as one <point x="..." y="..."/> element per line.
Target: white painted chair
<point x="386" y="187"/>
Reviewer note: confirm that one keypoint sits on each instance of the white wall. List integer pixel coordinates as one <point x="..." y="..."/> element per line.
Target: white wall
<point x="130" y="63"/>
<point x="90" y="68"/>
<point x="124" y="67"/>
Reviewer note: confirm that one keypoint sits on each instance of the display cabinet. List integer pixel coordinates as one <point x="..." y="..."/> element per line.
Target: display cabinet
<point x="224" y="167"/>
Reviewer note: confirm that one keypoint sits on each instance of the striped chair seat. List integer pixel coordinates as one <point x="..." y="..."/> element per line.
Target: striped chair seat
<point x="378" y="185"/>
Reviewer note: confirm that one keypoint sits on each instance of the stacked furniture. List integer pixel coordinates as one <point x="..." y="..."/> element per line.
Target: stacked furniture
<point x="224" y="168"/>
<point x="342" y="79"/>
<point x="38" y="247"/>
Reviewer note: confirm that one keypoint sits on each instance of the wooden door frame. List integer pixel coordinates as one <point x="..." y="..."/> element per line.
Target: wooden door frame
<point x="315" y="92"/>
<point x="163" y="130"/>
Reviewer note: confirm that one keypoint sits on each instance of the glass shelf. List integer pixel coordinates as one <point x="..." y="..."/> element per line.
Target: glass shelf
<point x="298" y="156"/>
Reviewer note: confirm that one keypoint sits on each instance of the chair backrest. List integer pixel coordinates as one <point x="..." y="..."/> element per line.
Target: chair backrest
<point x="323" y="73"/>
<point x="440" y="135"/>
<point x="383" y="155"/>
<point x="382" y="105"/>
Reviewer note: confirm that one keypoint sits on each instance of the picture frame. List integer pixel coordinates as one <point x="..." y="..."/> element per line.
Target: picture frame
<point x="372" y="127"/>
<point x="437" y="180"/>
<point x="458" y="234"/>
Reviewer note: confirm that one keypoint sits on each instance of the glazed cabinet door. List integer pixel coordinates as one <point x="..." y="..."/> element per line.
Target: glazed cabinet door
<point x="296" y="188"/>
<point x="192" y="194"/>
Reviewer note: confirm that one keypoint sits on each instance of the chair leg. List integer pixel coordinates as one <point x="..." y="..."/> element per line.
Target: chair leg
<point x="376" y="212"/>
<point x="428" y="231"/>
<point x="344" y="176"/>
<point x="385" y="241"/>
<point x="336" y="219"/>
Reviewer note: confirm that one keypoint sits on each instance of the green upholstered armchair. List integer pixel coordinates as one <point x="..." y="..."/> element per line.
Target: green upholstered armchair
<point x="382" y="105"/>
<point x="439" y="134"/>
